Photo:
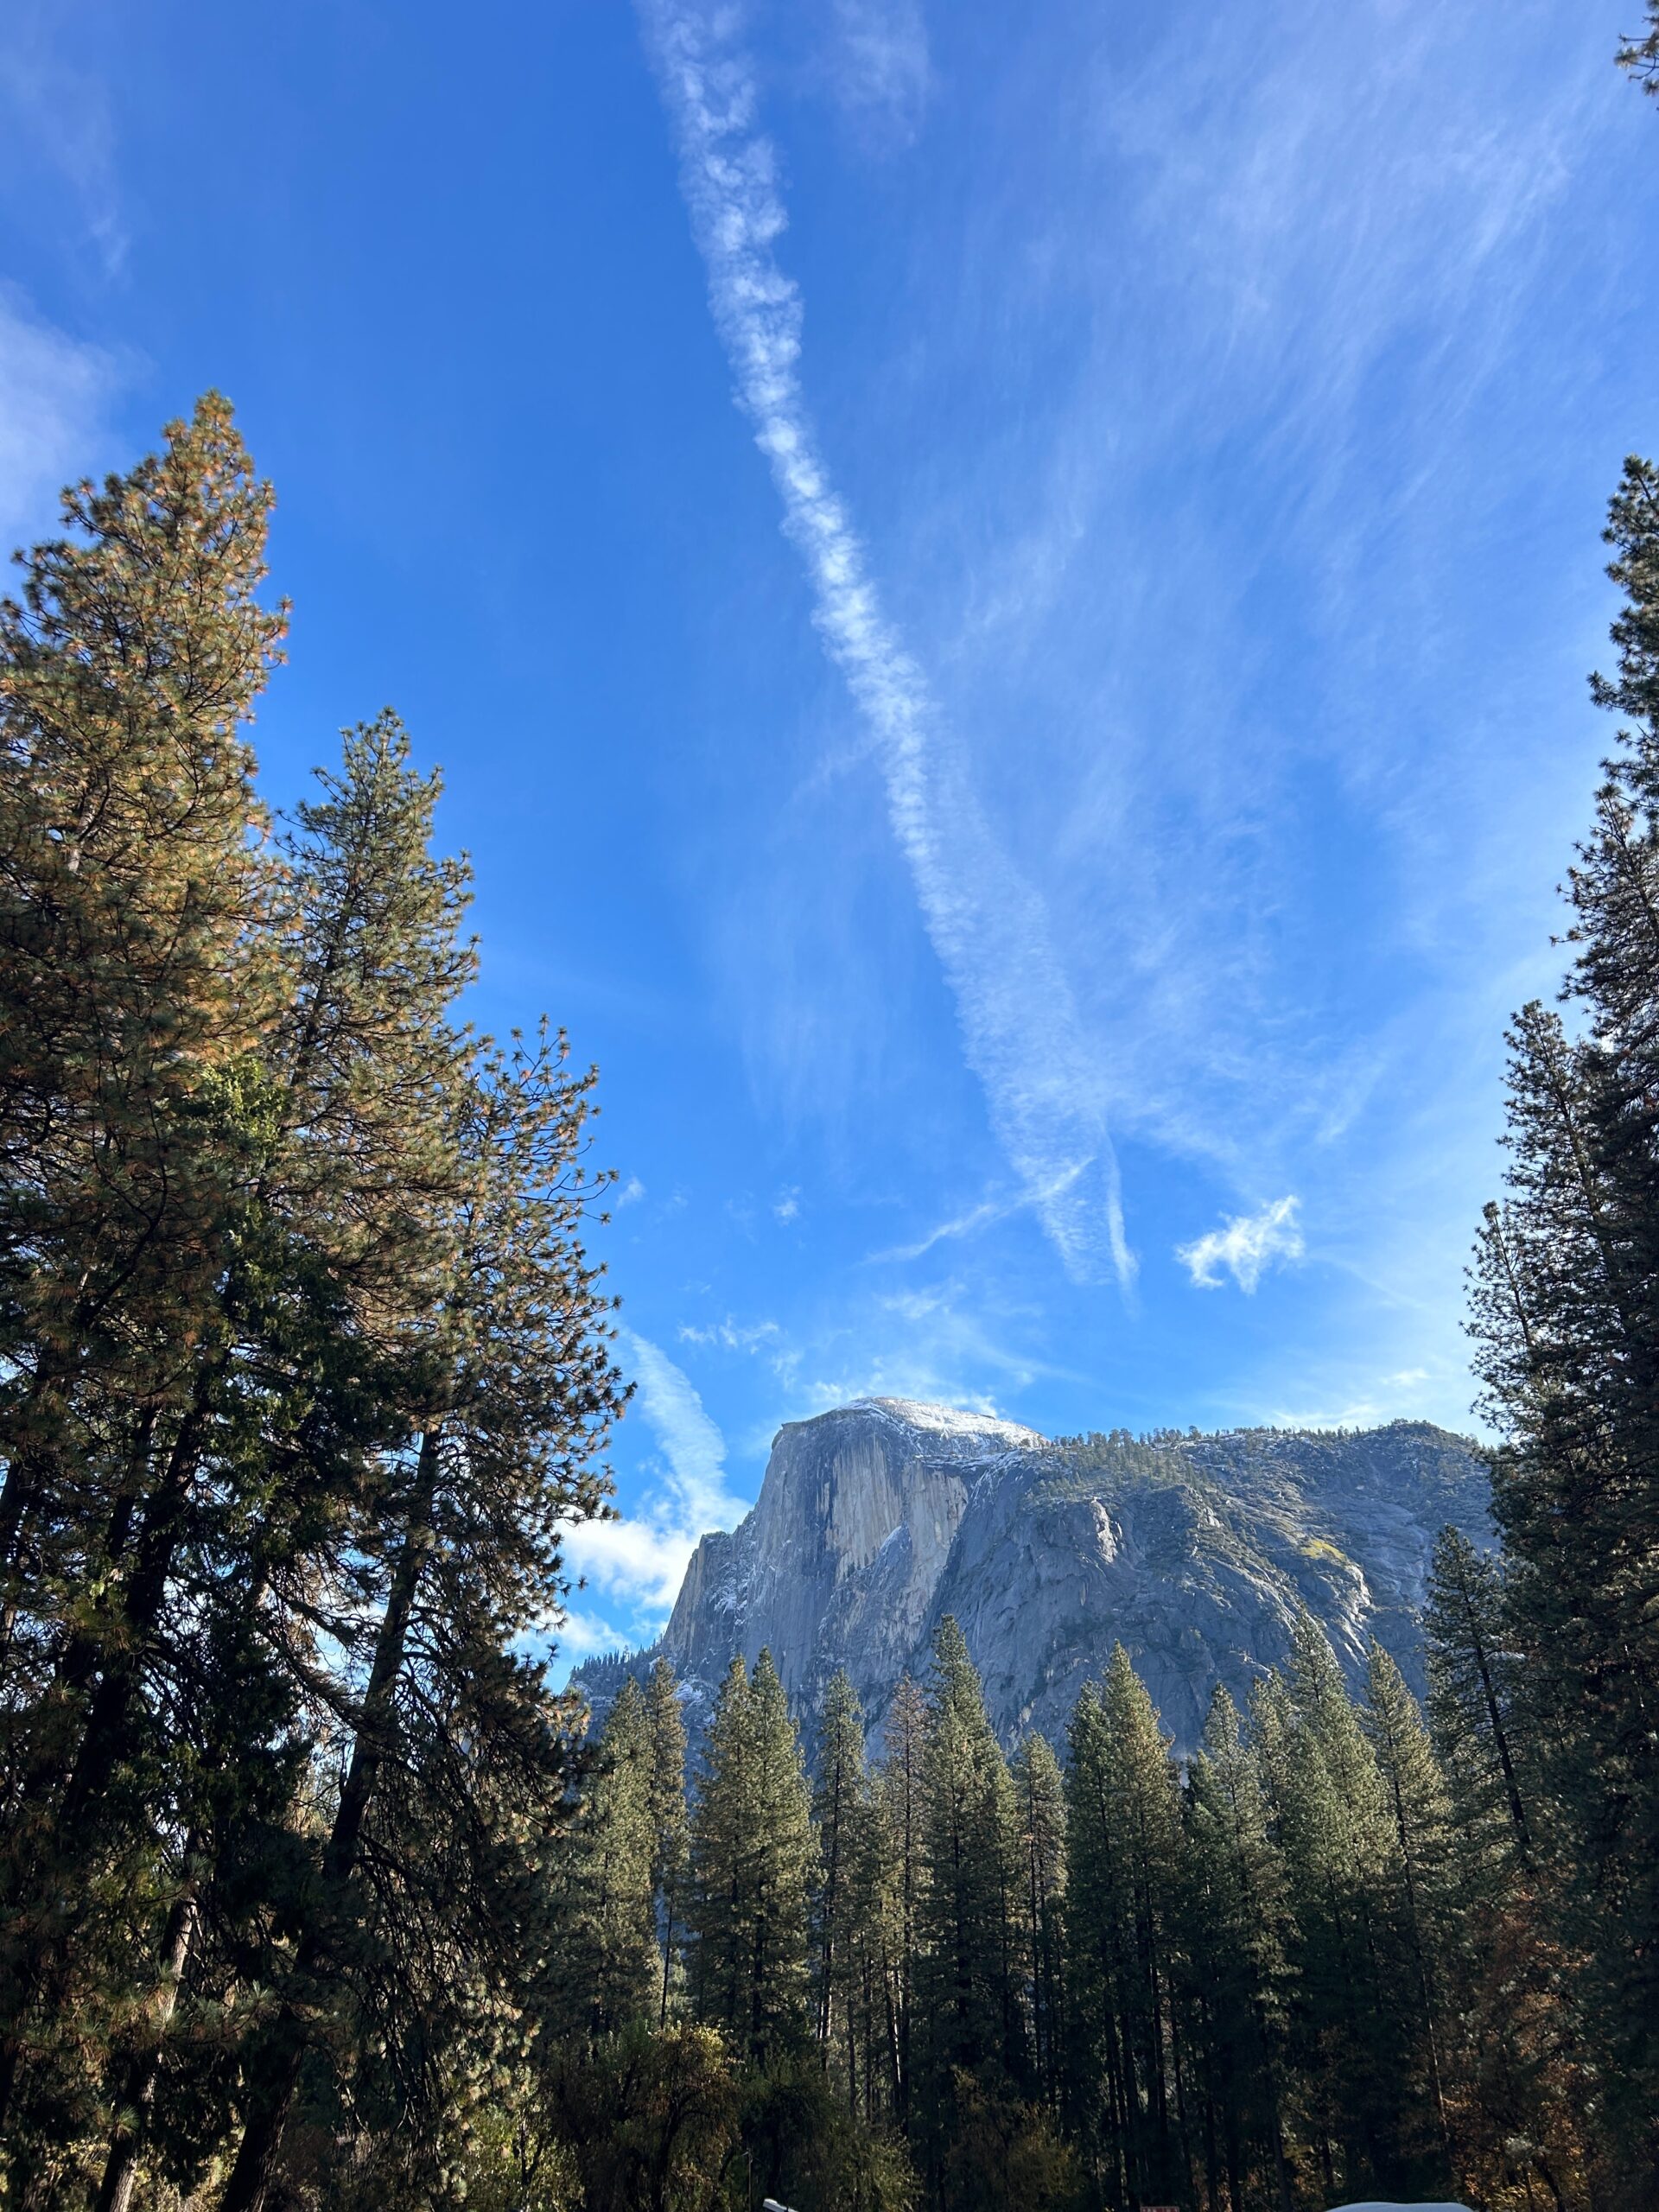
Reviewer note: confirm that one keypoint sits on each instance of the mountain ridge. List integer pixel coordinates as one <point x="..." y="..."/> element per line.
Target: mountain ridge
<point x="1196" y="1551"/>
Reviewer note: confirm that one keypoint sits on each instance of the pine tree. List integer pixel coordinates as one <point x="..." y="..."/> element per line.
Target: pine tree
<point x="869" y="1959"/>
<point x="355" y="1187"/>
<point x="721" y="1829"/>
<point x="1237" y="1939"/>
<point x="970" y="1945"/>
<point x="785" y="1867"/>
<point x="1039" y="1795"/>
<point x="901" y="1828"/>
<point x="135" y="971"/>
<point x="670" y="1825"/>
<point x="1421" y="1803"/>
<point x="1099" y="2096"/>
<point x="1641" y="56"/>
<point x="138" y="982"/>
<point x="611" y="1960"/>
<point x="1472" y="1706"/>
<point x="970" y="1969"/>
<point x="841" y="1935"/>
<point x="753" y="1865"/>
<point x="1566" y="1318"/>
<point x="1354" y="2004"/>
<point x="456" y="1762"/>
<point x="1124" y="1916"/>
<point x="344" y="1186"/>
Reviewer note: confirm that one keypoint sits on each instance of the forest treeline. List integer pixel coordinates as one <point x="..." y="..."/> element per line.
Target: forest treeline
<point x="1321" y="1959"/>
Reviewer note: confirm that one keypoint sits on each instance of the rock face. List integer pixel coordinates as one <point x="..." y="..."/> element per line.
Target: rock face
<point x="1195" y="1552"/>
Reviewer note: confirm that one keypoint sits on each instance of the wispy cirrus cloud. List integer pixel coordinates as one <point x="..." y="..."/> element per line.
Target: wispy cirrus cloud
<point x="1246" y="1245"/>
<point x="968" y="1222"/>
<point x="55" y="115"/>
<point x="877" y="60"/>
<point x="732" y="1336"/>
<point x="988" y="925"/>
<point x="1305" y="266"/>
<point x="54" y="391"/>
<point x="639" y="1558"/>
<point x="937" y="1344"/>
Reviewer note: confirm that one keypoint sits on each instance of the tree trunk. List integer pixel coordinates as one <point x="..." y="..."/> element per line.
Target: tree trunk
<point x="108" y="1716"/>
<point x="137" y="2092"/>
<point x="249" y="2186"/>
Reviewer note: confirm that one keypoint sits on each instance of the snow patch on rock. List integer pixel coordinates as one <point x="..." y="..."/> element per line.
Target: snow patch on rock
<point x="949" y="1420"/>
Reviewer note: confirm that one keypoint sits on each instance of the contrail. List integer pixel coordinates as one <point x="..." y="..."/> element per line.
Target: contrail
<point x="987" y="925"/>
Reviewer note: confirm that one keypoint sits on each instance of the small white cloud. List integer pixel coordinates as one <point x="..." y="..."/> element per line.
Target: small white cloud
<point x="631" y="1192"/>
<point x="640" y="1557"/>
<point x="787" y="1206"/>
<point x="1246" y="1246"/>
<point x="579" y="1635"/>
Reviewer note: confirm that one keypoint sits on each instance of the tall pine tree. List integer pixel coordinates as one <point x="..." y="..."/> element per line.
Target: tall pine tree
<point x="610" y="1966"/>
<point x="1425" y="1883"/>
<point x="901" y="1839"/>
<point x="1566" y="1318"/>
<point x="754" y="1860"/>
<point x="847" y="1958"/>
<point x="1237" y="1941"/>
<point x="970" y="1968"/>
<point x="1039" y="1799"/>
<point x="1123" y="1914"/>
<point x="669" y="1820"/>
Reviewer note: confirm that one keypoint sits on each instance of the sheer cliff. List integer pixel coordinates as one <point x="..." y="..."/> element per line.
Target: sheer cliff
<point x="1195" y="1552"/>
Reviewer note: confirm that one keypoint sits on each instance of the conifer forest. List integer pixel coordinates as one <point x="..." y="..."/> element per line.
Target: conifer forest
<point x="316" y="1895"/>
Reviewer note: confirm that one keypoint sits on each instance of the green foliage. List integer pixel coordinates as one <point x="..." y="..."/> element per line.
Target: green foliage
<point x="1566" y="1321"/>
<point x="647" y="2118"/>
<point x="1349" y="2017"/>
<point x="753" y="1863"/>
<point x="850" y="1936"/>
<point x="609" y="1967"/>
<point x="1006" y="2155"/>
<point x="1124" y="1868"/>
<point x="1641" y="56"/>
<point x="304" y="1366"/>
<point x="970" y="1968"/>
<point x="1039" y="1801"/>
<point x="1475" y="1709"/>
<point x="1236" y="1934"/>
<point x="801" y="2146"/>
<point x="670" y="1832"/>
<point x="900" y="1832"/>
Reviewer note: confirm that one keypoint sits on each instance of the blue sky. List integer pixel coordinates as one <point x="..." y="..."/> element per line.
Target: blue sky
<point x="1003" y="597"/>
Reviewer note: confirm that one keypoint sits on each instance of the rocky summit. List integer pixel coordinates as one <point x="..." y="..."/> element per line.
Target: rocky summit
<point x="1195" y="1552"/>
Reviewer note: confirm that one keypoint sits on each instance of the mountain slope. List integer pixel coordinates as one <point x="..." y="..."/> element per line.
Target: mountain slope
<point x="1195" y="1552"/>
